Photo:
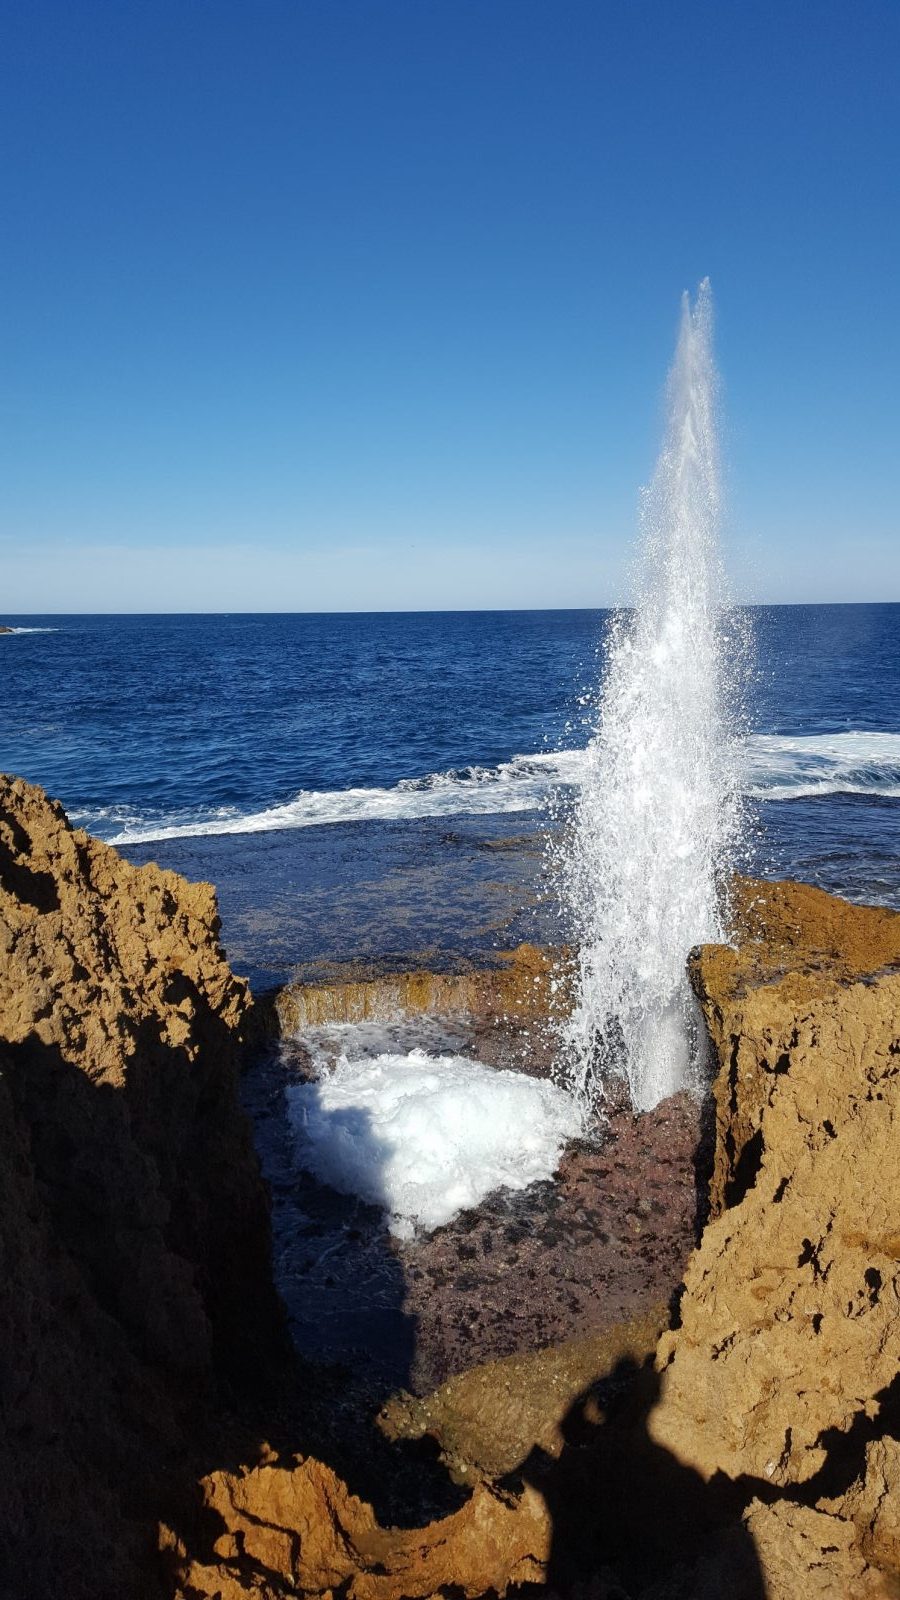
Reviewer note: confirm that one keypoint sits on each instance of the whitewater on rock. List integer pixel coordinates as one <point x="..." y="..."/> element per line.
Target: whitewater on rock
<point x="427" y="1136"/>
<point x="656" y="823"/>
<point x="657" y="817"/>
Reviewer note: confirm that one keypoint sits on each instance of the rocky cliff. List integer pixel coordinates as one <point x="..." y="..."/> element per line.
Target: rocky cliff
<point x="757" y="1456"/>
<point x="784" y="1373"/>
<point x="133" y="1225"/>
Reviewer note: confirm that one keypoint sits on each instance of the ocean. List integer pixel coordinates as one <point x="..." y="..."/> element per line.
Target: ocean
<point x="377" y="786"/>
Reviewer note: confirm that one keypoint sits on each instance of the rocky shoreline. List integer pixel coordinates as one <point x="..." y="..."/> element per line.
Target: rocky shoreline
<point x="160" y="1436"/>
<point x="603" y="1243"/>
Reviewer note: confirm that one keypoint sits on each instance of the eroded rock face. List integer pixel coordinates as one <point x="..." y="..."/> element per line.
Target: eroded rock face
<point x="786" y="1361"/>
<point x="298" y="1530"/>
<point x="809" y="1555"/>
<point x="764" y="1459"/>
<point x="134" y="1245"/>
<point x="873" y="1505"/>
<point x="760" y="1458"/>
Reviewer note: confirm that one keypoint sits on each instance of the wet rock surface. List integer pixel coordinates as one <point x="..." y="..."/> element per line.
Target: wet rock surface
<point x="382" y="891"/>
<point x="601" y="1243"/>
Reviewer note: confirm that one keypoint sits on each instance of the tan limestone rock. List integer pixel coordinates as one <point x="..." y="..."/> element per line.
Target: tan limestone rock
<point x="873" y="1505"/>
<point x="488" y="1420"/>
<point x="290" y="1529"/>
<point x="134" y="1243"/>
<point x="809" y="1555"/>
<point x="789" y="1320"/>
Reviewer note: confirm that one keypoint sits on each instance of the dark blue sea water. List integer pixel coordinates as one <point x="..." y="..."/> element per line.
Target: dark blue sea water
<point x="372" y="784"/>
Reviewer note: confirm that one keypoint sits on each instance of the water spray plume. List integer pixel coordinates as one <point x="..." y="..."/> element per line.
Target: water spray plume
<point x="657" y="821"/>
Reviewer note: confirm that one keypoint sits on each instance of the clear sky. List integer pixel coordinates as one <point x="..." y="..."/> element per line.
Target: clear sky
<point x="366" y="304"/>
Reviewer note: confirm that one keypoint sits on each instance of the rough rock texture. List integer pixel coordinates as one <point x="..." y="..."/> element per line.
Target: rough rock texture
<point x="786" y="1362"/>
<point x="274" y="1531"/>
<point x="759" y="1459"/>
<point x="809" y="1555"/>
<point x="134" y="1243"/>
<point x="766" y="1441"/>
<point x="873" y="1505"/>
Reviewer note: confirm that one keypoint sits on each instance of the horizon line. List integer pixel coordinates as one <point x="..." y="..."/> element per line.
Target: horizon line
<point x="435" y="611"/>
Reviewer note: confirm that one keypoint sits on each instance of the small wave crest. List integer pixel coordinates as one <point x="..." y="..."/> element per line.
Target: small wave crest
<point x="783" y="767"/>
<point x="12" y="629"/>
<point x="778" y="767"/>
<point x="521" y="784"/>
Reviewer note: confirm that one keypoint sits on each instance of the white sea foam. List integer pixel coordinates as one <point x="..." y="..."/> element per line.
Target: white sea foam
<point x="32" y="630"/>
<point x="777" y="767"/>
<point x="521" y="784"/>
<point x="426" y="1137"/>
<point x="785" y="767"/>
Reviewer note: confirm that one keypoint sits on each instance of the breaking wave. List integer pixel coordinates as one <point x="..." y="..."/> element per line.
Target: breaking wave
<point x="778" y="767"/>
<point x="784" y="767"/>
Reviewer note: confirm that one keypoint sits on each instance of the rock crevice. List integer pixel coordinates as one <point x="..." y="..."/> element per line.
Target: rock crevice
<point x="757" y="1455"/>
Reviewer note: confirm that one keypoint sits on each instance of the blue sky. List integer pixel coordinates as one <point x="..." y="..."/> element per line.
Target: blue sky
<point x="366" y="304"/>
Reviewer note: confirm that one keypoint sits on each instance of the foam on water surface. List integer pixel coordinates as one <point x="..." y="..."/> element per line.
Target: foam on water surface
<point x="776" y="767"/>
<point x="802" y="766"/>
<point x="521" y="784"/>
<point x="427" y="1136"/>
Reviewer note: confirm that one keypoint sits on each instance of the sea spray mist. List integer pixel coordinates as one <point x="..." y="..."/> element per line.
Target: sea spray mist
<point x="658" y="819"/>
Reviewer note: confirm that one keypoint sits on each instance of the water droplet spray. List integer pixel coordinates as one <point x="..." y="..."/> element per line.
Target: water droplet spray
<point x="658" y="819"/>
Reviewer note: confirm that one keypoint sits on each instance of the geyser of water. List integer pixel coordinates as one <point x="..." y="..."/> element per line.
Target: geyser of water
<point x="657" y="820"/>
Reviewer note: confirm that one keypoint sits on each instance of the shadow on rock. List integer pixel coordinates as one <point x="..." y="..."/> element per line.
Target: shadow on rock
<point x="629" y="1521"/>
<point x="344" y="1289"/>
